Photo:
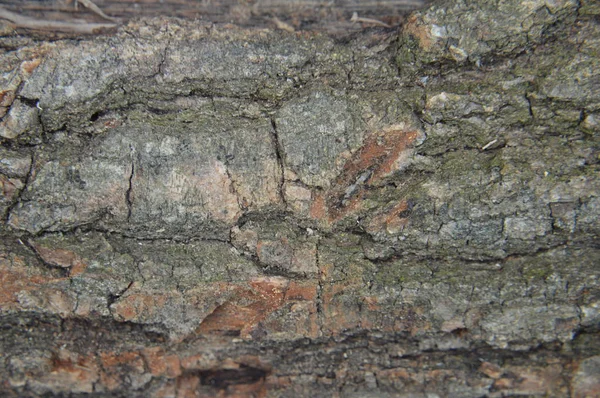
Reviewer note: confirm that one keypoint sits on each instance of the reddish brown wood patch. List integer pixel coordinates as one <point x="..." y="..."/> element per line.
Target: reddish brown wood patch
<point x="381" y="154"/>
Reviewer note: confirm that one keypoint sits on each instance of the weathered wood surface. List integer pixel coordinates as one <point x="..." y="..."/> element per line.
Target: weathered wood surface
<point x="193" y="209"/>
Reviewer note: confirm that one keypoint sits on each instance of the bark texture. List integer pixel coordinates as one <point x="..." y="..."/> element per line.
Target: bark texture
<point x="202" y="210"/>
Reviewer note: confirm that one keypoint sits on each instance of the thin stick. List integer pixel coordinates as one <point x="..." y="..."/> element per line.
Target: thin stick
<point x="489" y="144"/>
<point x="283" y="25"/>
<point x="356" y="18"/>
<point x="21" y="21"/>
<point x="96" y="10"/>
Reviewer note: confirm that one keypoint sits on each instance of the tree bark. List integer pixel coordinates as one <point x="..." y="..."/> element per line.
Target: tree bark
<point x="197" y="209"/>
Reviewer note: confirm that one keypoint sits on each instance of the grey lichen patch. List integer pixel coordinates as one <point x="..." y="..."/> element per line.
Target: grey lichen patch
<point x="14" y="163"/>
<point x="181" y="283"/>
<point x="185" y="265"/>
<point x="479" y="296"/>
<point x="125" y="278"/>
<point x="21" y="119"/>
<point x="96" y="272"/>
<point x="381" y="109"/>
<point x="169" y="176"/>
<point x="315" y="132"/>
<point x="280" y="249"/>
<point x="469" y="33"/>
<point x="233" y="68"/>
<point x="122" y="71"/>
<point x="83" y="197"/>
<point x="480" y="100"/>
<point x="573" y="75"/>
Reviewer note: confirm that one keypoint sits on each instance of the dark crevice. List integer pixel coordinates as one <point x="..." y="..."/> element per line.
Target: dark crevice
<point x="241" y="202"/>
<point x="432" y="258"/>
<point x="90" y="228"/>
<point x="128" y="193"/>
<point x="159" y="112"/>
<point x="276" y="270"/>
<point x="529" y="105"/>
<point x="280" y="160"/>
<point x="30" y="102"/>
<point x="95" y="116"/>
<point x="112" y="298"/>
<point x="64" y="272"/>
<point x="223" y="378"/>
<point x="18" y="199"/>
<point x="125" y="235"/>
<point x="163" y="59"/>
<point x="319" y="300"/>
<point x="352" y="67"/>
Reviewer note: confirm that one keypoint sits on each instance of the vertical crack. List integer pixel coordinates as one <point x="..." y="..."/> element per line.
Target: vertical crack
<point x="279" y="155"/>
<point x="320" y="312"/>
<point x="163" y="59"/>
<point x="128" y="197"/>
<point x="352" y="67"/>
<point x="139" y="270"/>
<point x="576" y="212"/>
<point x="530" y="108"/>
<point x="468" y="307"/>
<point x="225" y="160"/>
<point x="233" y="189"/>
<point x="17" y="200"/>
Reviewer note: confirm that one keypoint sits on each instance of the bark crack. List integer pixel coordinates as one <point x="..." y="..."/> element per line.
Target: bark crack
<point x="240" y="202"/>
<point x="280" y="156"/>
<point x="529" y="106"/>
<point x="128" y="193"/>
<point x="112" y="298"/>
<point x="319" y="303"/>
<point x="17" y="200"/>
<point x="163" y="58"/>
<point x="28" y="244"/>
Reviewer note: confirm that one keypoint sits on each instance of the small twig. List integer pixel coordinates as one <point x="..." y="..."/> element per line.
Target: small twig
<point x="283" y="25"/>
<point x="96" y="10"/>
<point x="356" y="18"/>
<point x="21" y="21"/>
<point x="489" y="144"/>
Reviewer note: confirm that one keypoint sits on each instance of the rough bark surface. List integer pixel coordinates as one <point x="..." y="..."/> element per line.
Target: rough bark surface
<point x="193" y="209"/>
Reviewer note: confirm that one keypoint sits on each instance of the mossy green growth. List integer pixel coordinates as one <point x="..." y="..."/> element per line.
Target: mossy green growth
<point x="181" y="120"/>
<point x="397" y="272"/>
<point x="537" y="270"/>
<point x="462" y="167"/>
<point x="94" y="251"/>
